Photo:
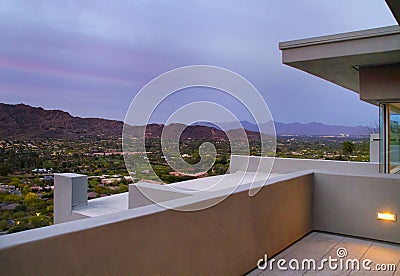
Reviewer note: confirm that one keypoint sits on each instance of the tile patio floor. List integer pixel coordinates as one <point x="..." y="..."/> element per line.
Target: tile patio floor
<point x="321" y="245"/>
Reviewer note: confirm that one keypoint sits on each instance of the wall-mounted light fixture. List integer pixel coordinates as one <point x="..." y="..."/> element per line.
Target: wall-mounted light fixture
<point x="386" y="216"/>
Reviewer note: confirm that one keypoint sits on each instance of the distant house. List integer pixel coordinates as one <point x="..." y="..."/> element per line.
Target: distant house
<point x="9" y="207"/>
<point x="9" y="189"/>
<point x="128" y="178"/>
<point x="43" y="170"/>
<point x="150" y="181"/>
<point x="36" y="189"/>
<point x="11" y="222"/>
<point x="108" y="181"/>
<point x="196" y="175"/>
<point x="48" y="188"/>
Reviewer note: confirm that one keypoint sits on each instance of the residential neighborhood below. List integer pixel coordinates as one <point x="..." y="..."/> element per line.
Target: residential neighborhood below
<point x="28" y="165"/>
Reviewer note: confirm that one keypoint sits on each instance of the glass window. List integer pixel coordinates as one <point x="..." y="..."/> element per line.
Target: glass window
<point x="389" y="123"/>
<point x="382" y="142"/>
<point x="394" y="138"/>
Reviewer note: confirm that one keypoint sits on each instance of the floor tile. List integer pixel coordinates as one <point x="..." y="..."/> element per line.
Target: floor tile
<point x="397" y="273"/>
<point x="255" y="272"/>
<point x="327" y="273"/>
<point x="317" y="244"/>
<point x="386" y="246"/>
<point x="326" y="236"/>
<point x="345" y="270"/>
<point x="308" y="236"/>
<point x="322" y="246"/>
<point x="354" y="245"/>
<point x="378" y="256"/>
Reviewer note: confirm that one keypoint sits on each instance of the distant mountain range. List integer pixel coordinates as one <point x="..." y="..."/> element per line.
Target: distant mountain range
<point x="309" y="129"/>
<point x="24" y="122"/>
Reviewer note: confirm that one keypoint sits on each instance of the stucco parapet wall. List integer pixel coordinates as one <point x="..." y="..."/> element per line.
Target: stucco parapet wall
<point x="289" y="165"/>
<point x="240" y="173"/>
<point x="33" y="235"/>
<point x="84" y="224"/>
<point x="370" y="175"/>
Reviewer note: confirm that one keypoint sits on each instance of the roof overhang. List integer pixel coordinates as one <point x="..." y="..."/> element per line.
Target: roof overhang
<point x="394" y="6"/>
<point x="337" y="58"/>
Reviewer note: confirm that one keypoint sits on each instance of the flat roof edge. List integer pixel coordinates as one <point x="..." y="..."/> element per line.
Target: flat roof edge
<point x="376" y="32"/>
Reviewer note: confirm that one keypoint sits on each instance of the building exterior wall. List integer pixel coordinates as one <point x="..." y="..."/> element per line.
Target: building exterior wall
<point x="380" y="83"/>
<point x="348" y="204"/>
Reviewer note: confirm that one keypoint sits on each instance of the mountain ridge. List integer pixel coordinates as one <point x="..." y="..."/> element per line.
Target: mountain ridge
<point x="24" y="122"/>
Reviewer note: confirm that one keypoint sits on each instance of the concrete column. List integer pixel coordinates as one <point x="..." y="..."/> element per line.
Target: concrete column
<point x="374" y="148"/>
<point x="70" y="191"/>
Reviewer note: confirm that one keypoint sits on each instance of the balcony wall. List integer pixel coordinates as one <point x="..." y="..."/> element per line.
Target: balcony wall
<point x="228" y="238"/>
<point x="348" y="204"/>
<point x="289" y="165"/>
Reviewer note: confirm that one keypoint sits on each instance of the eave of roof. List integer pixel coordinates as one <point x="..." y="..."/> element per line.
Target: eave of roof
<point x="376" y="32"/>
<point x="394" y="6"/>
<point x="337" y="58"/>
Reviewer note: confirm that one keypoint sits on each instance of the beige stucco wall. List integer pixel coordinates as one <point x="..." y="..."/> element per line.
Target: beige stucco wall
<point x="226" y="239"/>
<point x="289" y="165"/>
<point x="347" y="204"/>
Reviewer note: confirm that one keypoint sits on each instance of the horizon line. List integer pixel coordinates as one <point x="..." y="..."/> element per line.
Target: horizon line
<point x="163" y="123"/>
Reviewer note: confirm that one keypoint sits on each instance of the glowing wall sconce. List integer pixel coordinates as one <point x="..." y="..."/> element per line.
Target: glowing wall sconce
<point x="386" y="216"/>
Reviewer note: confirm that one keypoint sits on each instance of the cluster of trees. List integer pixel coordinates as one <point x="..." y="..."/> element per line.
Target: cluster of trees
<point x="329" y="148"/>
<point x="114" y="188"/>
<point x="30" y="211"/>
<point x="61" y="156"/>
<point x="36" y="210"/>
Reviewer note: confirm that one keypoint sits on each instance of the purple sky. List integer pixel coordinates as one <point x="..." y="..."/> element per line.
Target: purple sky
<point x="91" y="57"/>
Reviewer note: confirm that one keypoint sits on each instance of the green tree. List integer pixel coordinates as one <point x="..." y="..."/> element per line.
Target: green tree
<point x="31" y="199"/>
<point x="12" y="198"/>
<point x="348" y="147"/>
<point x="4" y="169"/>
<point x="219" y="169"/>
<point x="3" y="225"/>
<point x="15" y="182"/>
<point x="122" y="188"/>
<point x="100" y="190"/>
<point x="93" y="182"/>
<point x="37" y="181"/>
<point x="98" y="172"/>
<point x="50" y="208"/>
<point x="223" y="159"/>
<point x="25" y="190"/>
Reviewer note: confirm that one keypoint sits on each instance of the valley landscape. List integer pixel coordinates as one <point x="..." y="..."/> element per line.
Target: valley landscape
<point x="36" y="143"/>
